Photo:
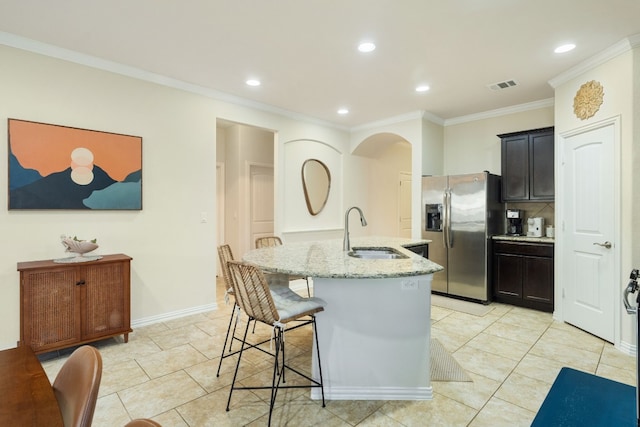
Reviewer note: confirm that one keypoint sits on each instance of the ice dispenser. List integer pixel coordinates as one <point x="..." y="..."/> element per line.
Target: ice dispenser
<point x="433" y="217"/>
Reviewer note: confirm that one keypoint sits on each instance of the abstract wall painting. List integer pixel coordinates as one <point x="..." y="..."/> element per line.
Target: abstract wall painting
<point x="60" y="167"/>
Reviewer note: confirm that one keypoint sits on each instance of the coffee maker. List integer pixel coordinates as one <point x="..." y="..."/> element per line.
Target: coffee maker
<point x="514" y="222"/>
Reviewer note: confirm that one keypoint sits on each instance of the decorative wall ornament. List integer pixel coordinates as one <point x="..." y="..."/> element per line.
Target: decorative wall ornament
<point x="60" y="167"/>
<point x="316" y="183"/>
<point x="588" y="100"/>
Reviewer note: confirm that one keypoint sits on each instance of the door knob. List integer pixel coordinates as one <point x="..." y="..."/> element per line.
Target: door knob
<point x="606" y="244"/>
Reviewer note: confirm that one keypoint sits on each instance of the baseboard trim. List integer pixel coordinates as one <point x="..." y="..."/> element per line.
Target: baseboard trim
<point x="628" y="348"/>
<point x="373" y="393"/>
<point x="145" y="321"/>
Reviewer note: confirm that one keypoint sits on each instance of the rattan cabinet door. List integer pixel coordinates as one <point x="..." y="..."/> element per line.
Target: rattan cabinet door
<point x="106" y="300"/>
<point x="51" y="310"/>
<point x="62" y="305"/>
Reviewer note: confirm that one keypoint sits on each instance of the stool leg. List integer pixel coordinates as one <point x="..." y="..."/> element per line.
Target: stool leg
<point x="315" y="334"/>
<point x="278" y="370"/>
<point x="226" y="338"/>
<point x="235" y="374"/>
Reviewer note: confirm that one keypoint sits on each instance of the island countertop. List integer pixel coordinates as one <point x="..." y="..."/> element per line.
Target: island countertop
<point x="326" y="259"/>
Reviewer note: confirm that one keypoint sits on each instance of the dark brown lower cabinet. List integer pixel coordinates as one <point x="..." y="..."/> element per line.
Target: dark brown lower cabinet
<point x="523" y="274"/>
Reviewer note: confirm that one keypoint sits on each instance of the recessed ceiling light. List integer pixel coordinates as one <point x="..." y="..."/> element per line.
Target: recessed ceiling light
<point x="565" y="48"/>
<point x="422" y="88"/>
<point x="366" y="47"/>
<point x="253" y="82"/>
<point x="343" y="111"/>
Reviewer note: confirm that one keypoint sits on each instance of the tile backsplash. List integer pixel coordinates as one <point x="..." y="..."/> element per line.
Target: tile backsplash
<point x="533" y="209"/>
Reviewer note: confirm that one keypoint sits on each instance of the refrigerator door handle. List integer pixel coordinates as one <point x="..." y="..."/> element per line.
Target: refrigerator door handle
<point x="446" y="235"/>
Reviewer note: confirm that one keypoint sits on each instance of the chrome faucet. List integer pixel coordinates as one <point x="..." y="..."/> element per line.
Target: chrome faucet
<point x="346" y="245"/>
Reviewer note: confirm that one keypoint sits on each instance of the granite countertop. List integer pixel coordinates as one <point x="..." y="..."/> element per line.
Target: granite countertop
<point x="525" y="239"/>
<point x="327" y="259"/>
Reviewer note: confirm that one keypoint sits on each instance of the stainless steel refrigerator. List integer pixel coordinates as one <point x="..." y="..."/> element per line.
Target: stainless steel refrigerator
<point x="460" y="213"/>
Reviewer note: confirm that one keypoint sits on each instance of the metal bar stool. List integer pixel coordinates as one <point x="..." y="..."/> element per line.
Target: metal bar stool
<point x="225" y="254"/>
<point x="275" y="309"/>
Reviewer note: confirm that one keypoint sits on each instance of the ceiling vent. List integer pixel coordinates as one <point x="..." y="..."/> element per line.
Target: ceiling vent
<point x="502" y="85"/>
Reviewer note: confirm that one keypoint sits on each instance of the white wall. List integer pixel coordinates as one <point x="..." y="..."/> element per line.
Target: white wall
<point x="473" y="146"/>
<point x="174" y="253"/>
<point x="171" y="248"/>
<point x="620" y="81"/>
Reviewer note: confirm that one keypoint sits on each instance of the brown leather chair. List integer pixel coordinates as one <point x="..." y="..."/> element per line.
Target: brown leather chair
<point x="76" y="386"/>
<point x="142" y="422"/>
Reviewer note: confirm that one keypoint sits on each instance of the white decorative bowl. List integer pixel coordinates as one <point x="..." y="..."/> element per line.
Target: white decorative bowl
<point x="79" y="247"/>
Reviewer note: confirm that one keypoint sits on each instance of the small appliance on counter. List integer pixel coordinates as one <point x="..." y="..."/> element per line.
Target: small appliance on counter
<point x="514" y="222"/>
<point x="535" y="226"/>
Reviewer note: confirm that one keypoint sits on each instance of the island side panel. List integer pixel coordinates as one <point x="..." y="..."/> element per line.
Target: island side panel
<point x="375" y="338"/>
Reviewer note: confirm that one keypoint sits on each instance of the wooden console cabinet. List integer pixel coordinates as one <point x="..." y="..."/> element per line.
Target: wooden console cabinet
<point x="523" y="274"/>
<point x="67" y="304"/>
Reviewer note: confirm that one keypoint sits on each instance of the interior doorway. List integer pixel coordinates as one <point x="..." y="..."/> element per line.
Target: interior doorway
<point x="239" y="148"/>
<point x="261" y="203"/>
<point x="389" y="210"/>
<point x="591" y="294"/>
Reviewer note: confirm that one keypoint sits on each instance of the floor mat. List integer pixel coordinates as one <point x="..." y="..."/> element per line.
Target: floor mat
<point x="443" y="366"/>
<point x="580" y="399"/>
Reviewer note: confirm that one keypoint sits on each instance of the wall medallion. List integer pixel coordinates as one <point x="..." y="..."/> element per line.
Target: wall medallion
<point x="588" y="100"/>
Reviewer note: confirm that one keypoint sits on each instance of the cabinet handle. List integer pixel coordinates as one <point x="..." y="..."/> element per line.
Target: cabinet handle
<point x="606" y="244"/>
<point x="81" y="282"/>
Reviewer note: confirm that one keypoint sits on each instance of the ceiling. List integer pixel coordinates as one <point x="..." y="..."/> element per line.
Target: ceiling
<point x="304" y="51"/>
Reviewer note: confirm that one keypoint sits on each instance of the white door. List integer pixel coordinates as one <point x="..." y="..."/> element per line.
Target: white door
<point x="590" y="289"/>
<point x="261" y="202"/>
<point x="404" y="205"/>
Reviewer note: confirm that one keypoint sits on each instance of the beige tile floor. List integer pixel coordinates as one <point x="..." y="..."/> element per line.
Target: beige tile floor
<point x="167" y="372"/>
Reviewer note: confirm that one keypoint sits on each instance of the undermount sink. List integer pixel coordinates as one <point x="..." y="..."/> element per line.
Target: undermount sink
<point x="376" y="253"/>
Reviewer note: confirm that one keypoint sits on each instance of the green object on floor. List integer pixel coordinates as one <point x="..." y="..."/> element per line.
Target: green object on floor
<point x="580" y="399"/>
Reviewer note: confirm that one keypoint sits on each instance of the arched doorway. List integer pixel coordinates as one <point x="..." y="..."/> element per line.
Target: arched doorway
<point x="390" y="178"/>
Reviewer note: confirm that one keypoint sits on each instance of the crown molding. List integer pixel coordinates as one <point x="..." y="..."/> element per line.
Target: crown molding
<point x="535" y="105"/>
<point x="52" y="51"/>
<point x="623" y="46"/>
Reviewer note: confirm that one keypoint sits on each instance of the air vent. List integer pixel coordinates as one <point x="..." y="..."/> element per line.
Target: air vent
<point x="502" y="85"/>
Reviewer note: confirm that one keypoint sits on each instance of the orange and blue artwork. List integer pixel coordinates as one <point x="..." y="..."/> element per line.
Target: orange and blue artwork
<point x="60" y="167"/>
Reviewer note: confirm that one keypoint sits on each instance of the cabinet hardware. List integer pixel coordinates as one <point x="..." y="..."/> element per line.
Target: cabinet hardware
<point x="81" y="282"/>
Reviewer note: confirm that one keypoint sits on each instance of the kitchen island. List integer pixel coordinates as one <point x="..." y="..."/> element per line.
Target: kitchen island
<point x="375" y="331"/>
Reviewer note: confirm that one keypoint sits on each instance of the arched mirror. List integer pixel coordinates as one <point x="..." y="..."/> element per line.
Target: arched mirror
<point x="316" y="182"/>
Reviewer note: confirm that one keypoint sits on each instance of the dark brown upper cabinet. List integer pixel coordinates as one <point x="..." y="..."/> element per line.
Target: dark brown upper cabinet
<point x="527" y="165"/>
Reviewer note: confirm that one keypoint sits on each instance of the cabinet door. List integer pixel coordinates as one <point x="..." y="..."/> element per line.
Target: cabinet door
<point x="106" y="299"/>
<point x="541" y="185"/>
<point x="508" y="275"/>
<point x="515" y="168"/>
<point x="51" y="310"/>
<point x="537" y="280"/>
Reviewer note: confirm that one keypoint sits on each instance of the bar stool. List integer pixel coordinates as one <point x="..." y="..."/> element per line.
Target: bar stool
<point x="225" y="255"/>
<point x="276" y="310"/>
<point x="277" y="285"/>
<point x="271" y="241"/>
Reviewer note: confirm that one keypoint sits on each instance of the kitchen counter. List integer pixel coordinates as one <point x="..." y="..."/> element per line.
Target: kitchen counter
<point x="327" y="259"/>
<point x="525" y="239"/>
<point x="375" y="331"/>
